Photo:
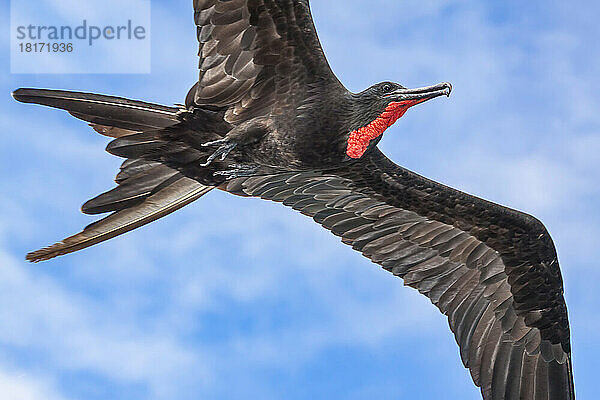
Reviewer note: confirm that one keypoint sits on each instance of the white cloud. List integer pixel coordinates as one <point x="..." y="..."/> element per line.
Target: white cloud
<point x="77" y="333"/>
<point x="23" y="386"/>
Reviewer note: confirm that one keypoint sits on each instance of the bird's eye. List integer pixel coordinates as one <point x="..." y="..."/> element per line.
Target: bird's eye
<point x="386" y="87"/>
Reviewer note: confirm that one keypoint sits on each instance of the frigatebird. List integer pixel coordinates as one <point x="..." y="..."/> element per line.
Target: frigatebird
<point x="268" y="118"/>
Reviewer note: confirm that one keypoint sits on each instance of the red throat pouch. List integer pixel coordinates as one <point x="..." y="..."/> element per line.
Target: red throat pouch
<point x="359" y="140"/>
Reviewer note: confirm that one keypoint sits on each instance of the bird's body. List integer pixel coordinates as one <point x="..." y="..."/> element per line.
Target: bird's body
<point x="269" y="119"/>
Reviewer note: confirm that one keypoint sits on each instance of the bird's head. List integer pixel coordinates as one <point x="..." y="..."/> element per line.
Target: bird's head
<point x="379" y="106"/>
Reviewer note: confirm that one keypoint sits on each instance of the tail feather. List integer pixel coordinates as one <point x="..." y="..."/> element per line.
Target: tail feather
<point x="136" y="145"/>
<point x="133" y="167"/>
<point x="112" y="131"/>
<point x="104" y="110"/>
<point x="165" y="201"/>
<point x="132" y="191"/>
<point x="155" y="139"/>
<point x="169" y="145"/>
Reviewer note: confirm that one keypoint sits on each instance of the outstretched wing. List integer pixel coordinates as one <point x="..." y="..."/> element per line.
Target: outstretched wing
<point x="254" y="53"/>
<point x="492" y="270"/>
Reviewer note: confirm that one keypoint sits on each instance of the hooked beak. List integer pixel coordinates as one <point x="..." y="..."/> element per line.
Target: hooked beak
<point x="411" y="97"/>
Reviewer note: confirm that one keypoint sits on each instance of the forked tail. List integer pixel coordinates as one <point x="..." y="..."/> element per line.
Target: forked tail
<point x="147" y="190"/>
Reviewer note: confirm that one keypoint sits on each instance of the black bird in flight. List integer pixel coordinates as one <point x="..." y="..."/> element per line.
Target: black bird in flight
<point x="268" y="118"/>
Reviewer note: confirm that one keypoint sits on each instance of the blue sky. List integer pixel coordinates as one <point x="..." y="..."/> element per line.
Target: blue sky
<point x="240" y="298"/>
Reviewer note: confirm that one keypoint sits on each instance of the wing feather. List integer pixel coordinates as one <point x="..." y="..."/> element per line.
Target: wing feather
<point x="497" y="294"/>
<point x="255" y="53"/>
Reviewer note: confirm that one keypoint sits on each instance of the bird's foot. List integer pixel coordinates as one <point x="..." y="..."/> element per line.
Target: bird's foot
<point x="237" y="171"/>
<point x="225" y="147"/>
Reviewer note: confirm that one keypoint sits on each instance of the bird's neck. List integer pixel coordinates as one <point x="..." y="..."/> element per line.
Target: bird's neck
<point x="370" y="125"/>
